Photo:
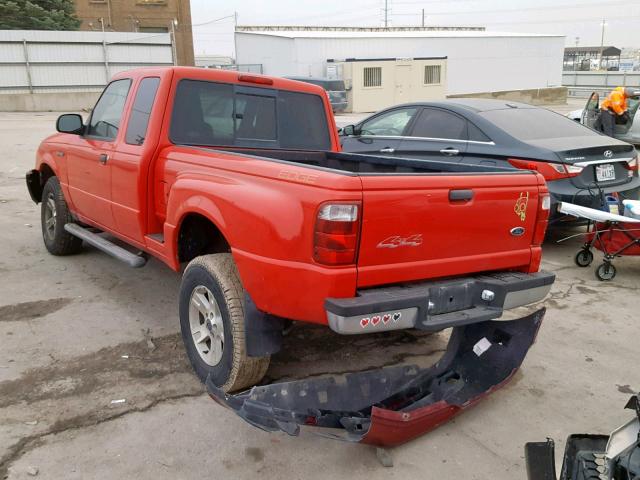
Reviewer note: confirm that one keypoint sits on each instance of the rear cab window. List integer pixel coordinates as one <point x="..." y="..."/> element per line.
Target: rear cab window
<point x="217" y="114"/>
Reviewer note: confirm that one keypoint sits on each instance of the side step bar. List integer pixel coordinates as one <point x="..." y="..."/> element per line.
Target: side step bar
<point x="105" y="245"/>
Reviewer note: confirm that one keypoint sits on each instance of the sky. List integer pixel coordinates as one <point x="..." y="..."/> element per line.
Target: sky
<point x="213" y="34"/>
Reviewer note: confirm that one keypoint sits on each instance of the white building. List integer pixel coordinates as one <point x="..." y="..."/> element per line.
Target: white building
<point x="477" y="61"/>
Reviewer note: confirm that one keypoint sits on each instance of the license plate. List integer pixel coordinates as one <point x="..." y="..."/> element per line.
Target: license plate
<point x="605" y="172"/>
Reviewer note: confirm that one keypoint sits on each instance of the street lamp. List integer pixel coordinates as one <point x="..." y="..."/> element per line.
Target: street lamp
<point x="602" y="25"/>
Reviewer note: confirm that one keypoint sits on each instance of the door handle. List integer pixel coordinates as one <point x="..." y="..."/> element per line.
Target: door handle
<point x="387" y="150"/>
<point x="449" y="151"/>
<point x="103" y="158"/>
<point x="460" y="195"/>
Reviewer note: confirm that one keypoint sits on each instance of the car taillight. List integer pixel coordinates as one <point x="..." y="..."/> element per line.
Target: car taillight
<point x="549" y="170"/>
<point x="336" y="233"/>
<point x="632" y="165"/>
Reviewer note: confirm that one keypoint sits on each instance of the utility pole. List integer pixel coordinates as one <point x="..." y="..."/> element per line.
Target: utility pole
<point x="235" y="43"/>
<point x="386" y="13"/>
<point x="423" y="18"/>
<point x="603" y="24"/>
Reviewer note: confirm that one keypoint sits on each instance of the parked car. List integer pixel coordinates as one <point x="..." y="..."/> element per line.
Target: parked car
<point x="334" y="88"/>
<point x="580" y="165"/>
<point x="239" y="178"/>
<point x="627" y="129"/>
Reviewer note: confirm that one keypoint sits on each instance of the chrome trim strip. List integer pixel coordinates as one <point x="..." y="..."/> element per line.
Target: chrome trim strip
<point x="596" y="162"/>
<point x="393" y="137"/>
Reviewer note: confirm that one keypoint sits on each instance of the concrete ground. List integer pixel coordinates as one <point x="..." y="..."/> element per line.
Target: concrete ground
<point x="94" y="382"/>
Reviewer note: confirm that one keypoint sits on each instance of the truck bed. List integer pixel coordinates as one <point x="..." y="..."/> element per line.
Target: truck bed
<point x="354" y="163"/>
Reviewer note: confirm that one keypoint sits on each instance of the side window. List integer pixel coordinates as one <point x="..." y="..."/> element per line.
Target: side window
<point x="106" y="116"/>
<point x="255" y="117"/>
<point x="202" y="114"/>
<point x="434" y="123"/>
<point x="475" y="134"/>
<point x="141" y="110"/>
<point x="391" y="123"/>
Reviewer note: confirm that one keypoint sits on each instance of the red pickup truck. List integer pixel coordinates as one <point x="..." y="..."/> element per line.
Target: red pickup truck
<point x="240" y="178"/>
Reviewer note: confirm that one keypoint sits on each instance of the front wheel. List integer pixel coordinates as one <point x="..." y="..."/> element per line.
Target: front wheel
<point x="54" y="215"/>
<point x="212" y="324"/>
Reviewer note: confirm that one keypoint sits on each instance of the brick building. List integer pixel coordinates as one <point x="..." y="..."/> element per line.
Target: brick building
<point x="141" y="16"/>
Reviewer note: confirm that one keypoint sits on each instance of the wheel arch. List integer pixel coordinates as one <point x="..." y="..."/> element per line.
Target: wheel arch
<point x="198" y="234"/>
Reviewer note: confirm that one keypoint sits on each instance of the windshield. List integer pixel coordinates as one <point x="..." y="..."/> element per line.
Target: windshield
<point x="535" y="123"/>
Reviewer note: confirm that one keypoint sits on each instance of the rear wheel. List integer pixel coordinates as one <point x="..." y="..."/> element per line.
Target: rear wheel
<point x="212" y="324"/>
<point x="606" y="271"/>
<point x="584" y="258"/>
<point x="54" y="215"/>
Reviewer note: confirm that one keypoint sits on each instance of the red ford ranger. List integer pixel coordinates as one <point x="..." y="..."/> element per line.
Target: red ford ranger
<point x="240" y="178"/>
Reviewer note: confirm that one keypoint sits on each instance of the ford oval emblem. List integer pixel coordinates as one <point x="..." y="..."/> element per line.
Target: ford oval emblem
<point x="517" y="231"/>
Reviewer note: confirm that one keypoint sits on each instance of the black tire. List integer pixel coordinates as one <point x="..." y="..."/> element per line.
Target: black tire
<point x="54" y="215"/>
<point x="583" y="258"/>
<point x="605" y="271"/>
<point x="233" y="370"/>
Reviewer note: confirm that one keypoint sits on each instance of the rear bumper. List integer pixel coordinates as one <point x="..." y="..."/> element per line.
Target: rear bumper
<point x="393" y="405"/>
<point x="434" y="306"/>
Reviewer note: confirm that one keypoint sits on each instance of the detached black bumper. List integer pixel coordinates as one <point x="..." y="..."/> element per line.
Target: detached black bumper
<point x="436" y="305"/>
<point x="393" y="405"/>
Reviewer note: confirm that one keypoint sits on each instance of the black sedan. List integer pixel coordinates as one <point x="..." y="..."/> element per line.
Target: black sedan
<point x="580" y="165"/>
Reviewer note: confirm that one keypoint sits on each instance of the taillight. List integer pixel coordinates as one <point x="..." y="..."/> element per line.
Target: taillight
<point x="336" y="233"/>
<point x="549" y="170"/>
<point x="544" y="205"/>
<point x="632" y="165"/>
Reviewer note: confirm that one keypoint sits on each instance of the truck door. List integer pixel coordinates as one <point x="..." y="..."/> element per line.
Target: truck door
<point x="131" y="161"/>
<point x="591" y="111"/>
<point x="436" y="134"/>
<point x="381" y="134"/>
<point x="88" y="162"/>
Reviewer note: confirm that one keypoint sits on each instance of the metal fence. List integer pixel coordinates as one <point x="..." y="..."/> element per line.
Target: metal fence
<point x="34" y="61"/>
<point x="601" y="79"/>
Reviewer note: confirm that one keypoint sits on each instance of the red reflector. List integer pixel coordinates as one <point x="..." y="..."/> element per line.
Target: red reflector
<point x="255" y="79"/>
<point x="336" y="242"/>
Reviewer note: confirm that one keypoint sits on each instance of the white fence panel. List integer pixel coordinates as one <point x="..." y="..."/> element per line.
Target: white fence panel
<point x="46" y="61"/>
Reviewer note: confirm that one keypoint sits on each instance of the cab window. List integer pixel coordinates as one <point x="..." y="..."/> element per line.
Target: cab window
<point x="141" y="110"/>
<point x="107" y="114"/>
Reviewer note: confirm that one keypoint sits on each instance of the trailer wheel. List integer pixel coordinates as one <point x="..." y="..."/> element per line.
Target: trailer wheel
<point x="212" y="324"/>
<point x="584" y="258"/>
<point x="606" y="271"/>
<point x="54" y="214"/>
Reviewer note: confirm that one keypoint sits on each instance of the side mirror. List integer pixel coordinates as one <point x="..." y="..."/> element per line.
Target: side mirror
<point x="70" y="123"/>
<point x="348" y="131"/>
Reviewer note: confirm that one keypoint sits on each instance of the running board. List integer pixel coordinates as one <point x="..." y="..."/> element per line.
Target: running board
<point x="105" y="245"/>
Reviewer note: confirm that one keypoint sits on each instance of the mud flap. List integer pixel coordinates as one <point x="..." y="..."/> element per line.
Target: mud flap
<point x="393" y="405"/>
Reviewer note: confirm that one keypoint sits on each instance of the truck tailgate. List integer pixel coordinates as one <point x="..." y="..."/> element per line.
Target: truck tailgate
<point x="417" y="227"/>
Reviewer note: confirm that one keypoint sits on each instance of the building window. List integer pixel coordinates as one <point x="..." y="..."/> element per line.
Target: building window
<point x="153" y="29"/>
<point x="372" y="76"/>
<point x="432" y="74"/>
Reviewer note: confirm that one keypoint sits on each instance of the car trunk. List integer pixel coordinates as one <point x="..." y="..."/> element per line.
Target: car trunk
<point x="604" y="159"/>
<point x="414" y="228"/>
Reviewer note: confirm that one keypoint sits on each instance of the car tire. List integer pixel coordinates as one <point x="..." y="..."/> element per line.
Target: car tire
<point x="212" y="324"/>
<point x="583" y="258"/>
<point x="54" y="215"/>
<point x="605" y="271"/>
